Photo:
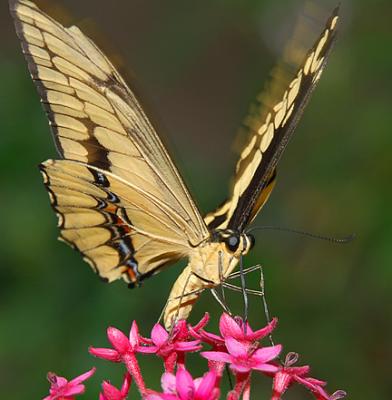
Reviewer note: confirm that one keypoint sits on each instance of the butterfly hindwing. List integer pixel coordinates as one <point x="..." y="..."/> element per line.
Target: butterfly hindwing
<point x="121" y="230"/>
<point x="256" y="169"/>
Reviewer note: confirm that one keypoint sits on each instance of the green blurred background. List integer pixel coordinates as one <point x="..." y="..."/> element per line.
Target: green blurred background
<point x="199" y="64"/>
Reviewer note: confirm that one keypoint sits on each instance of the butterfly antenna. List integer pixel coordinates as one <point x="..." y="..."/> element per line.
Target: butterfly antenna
<point x="343" y="240"/>
<point x="265" y="304"/>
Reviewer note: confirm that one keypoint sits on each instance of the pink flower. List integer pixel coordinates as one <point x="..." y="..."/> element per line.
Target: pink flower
<point x="244" y="358"/>
<point x="233" y="328"/>
<point x="170" y="347"/>
<point x="237" y="345"/>
<point x="183" y="387"/>
<point x="287" y="375"/>
<point x="110" y="392"/>
<point x="124" y="349"/>
<point x="164" y="344"/>
<point x="61" y="388"/>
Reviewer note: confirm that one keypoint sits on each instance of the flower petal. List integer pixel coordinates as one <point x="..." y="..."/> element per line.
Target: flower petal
<point x="126" y="384"/>
<point x="193" y="345"/>
<point x="206" y="386"/>
<point x="111" y="392"/>
<point x="219" y="356"/>
<point x="238" y="367"/>
<point x="209" y="338"/>
<point x="265" y="367"/>
<point x="147" y="349"/>
<point x="266" y="353"/>
<point x="202" y="323"/>
<point x="159" y="335"/>
<point x="118" y="340"/>
<point x="134" y="335"/>
<point x="184" y="384"/>
<point x="156" y="396"/>
<point x="299" y="371"/>
<point x="315" y="381"/>
<point x="236" y="348"/>
<point x="312" y="384"/>
<point x="72" y="390"/>
<point x="261" y="333"/>
<point x="83" y="377"/>
<point x="107" y="354"/>
<point x="229" y="327"/>
<point x="180" y="331"/>
<point x="168" y="382"/>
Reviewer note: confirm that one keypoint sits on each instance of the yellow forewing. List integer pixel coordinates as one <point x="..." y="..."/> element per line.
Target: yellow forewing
<point x="94" y="116"/>
<point x="270" y="131"/>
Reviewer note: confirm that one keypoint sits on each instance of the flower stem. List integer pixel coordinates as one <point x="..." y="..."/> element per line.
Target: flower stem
<point x="241" y="380"/>
<point x="246" y="394"/>
<point x="133" y="368"/>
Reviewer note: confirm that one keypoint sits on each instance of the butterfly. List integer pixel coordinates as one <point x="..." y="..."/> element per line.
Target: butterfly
<point x="119" y="198"/>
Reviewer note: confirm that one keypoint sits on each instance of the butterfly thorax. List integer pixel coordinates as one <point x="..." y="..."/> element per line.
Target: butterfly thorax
<point x="215" y="259"/>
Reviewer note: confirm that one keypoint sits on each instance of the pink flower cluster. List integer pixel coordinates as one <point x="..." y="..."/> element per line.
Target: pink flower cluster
<point x="237" y="346"/>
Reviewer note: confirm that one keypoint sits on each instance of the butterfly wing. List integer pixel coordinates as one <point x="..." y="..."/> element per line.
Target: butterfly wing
<point x="270" y="132"/>
<point x="96" y="120"/>
<point x="121" y="229"/>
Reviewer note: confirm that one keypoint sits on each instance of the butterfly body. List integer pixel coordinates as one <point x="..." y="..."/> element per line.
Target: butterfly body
<point x="119" y="198"/>
<point x="210" y="264"/>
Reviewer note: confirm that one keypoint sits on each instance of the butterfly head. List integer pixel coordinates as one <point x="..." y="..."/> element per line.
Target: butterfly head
<point x="236" y="243"/>
<point x="214" y="260"/>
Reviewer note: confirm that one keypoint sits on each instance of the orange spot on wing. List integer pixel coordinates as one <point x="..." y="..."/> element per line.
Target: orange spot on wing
<point x="110" y="208"/>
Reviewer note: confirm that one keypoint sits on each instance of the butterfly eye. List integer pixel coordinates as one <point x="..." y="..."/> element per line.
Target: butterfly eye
<point x="251" y="241"/>
<point x="232" y="243"/>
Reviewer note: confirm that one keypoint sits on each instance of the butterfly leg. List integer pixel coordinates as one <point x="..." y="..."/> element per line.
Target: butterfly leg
<point x="245" y="271"/>
<point x="239" y="289"/>
<point x="265" y="304"/>
<point x="244" y="294"/>
<point x="260" y="293"/>
<point x="220" y="301"/>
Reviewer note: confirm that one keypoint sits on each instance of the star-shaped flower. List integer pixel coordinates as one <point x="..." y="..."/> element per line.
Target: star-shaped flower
<point x="61" y="388"/>
<point x="243" y="358"/>
<point x="288" y="375"/>
<point x="122" y="345"/>
<point x="171" y="347"/>
<point x="124" y="351"/>
<point x="230" y="327"/>
<point x="163" y="343"/>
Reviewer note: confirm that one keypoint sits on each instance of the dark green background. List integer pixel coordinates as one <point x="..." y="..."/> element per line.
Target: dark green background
<point x="199" y="64"/>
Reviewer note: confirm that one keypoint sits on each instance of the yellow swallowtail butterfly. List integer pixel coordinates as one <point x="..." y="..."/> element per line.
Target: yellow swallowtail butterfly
<point x="118" y="196"/>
